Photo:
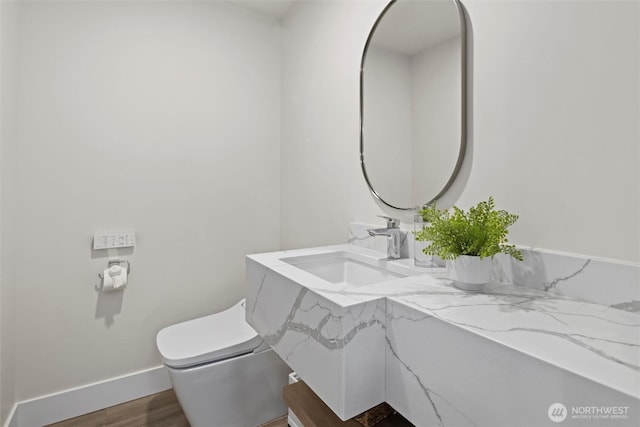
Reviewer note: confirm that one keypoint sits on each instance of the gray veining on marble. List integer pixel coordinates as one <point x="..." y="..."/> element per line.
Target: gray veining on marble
<point x="476" y="377"/>
<point x="553" y="283"/>
<point x="346" y="327"/>
<point x="630" y="306"/>
<point x="430" y="395"/>
<point x="599" y="281"/>
<point x="422" y="337"/>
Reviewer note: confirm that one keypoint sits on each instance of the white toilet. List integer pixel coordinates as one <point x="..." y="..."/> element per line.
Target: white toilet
<point x="223" y="373"/>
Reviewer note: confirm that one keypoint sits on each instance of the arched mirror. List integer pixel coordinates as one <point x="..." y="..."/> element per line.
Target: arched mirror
<point x="413" y="101"/>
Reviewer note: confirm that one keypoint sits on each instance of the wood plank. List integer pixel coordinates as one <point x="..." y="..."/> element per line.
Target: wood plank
<point x="163" y="410"/>
<point x="395" y="420"/>
<point x="313" y="412"/>
<point x="94" y="419"/>
<point x="158" y="410"/>
<point x="280" y="422"/>
<point x="310" y="409"/>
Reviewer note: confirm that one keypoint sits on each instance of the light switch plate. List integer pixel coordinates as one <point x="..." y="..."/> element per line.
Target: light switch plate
<point x="114" y="240"/>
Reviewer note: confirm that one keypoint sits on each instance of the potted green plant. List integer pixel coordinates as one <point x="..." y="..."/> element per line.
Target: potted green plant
<point x="468" y="240"/>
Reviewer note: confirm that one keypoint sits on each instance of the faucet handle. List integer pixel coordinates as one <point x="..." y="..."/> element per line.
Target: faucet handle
<point x="391" y="222"/>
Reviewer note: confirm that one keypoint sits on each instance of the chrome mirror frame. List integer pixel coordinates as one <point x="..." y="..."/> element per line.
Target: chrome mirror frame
<point x="463" y="105"/>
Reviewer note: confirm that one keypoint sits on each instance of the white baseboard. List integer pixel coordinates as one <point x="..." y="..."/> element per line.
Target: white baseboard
<point x="78" y="401"/>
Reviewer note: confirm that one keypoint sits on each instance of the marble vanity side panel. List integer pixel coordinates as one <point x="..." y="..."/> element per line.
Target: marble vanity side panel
<point x="471" y="381"/>
<point x="364" y="356"/>
<point x="335" y="344"/>
<point x="312" y="334"/>
<point x="290" y="319"/>
<point x="604" y="282"/>
<point x="260" y="278"/>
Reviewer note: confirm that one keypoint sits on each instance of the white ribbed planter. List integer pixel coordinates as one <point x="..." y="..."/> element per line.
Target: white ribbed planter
<point x="469" y="273"/>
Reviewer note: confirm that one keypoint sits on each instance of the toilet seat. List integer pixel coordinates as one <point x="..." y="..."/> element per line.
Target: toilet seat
<point x="208" y="339"/>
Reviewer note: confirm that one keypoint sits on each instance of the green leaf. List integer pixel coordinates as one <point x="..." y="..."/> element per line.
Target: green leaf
<point x="481" y="231"/>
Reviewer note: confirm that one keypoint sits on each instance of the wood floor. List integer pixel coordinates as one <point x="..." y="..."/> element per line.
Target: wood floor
<point x="157" y="410"/>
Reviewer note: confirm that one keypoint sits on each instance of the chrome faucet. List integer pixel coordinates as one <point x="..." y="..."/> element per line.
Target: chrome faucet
<point x="393" y="235"/>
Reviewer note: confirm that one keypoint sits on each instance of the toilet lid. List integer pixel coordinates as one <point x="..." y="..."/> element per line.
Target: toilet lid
<point x="207" y="339"/>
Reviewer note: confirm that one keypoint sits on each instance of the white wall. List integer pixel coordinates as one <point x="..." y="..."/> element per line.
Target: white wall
<point x="556" y="130"/>
<point x="322" y="186"/>
<point x="555" y="122"/>
<point x="158" y="117"/>
<point x="8" y="137"/>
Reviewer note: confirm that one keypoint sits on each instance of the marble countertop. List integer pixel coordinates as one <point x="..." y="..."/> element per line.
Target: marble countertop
<point x="597" y="342"/>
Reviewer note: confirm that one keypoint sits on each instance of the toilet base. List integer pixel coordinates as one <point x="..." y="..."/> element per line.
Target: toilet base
<point x="238" y="392"/>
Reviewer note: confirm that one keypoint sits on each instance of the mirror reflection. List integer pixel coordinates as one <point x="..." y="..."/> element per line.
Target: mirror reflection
<point x="412" y="135"/>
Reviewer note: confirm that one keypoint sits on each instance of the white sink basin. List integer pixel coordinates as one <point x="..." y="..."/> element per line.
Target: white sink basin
<point x="343" y="268"/>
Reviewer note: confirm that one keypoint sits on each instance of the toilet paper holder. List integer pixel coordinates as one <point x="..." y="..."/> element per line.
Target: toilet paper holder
<point x="113" y="262"/>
